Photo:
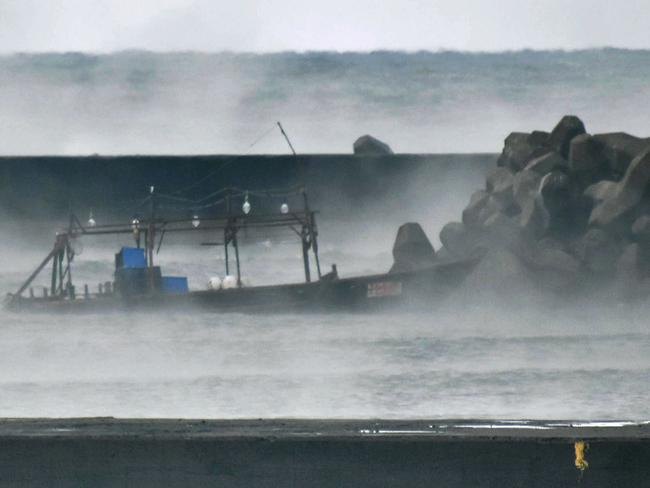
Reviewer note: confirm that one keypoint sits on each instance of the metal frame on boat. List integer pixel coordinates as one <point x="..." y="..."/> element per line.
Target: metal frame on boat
<point x="326" y="292"/>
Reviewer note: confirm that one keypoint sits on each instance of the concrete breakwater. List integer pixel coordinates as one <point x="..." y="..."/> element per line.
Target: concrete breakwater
<point x="323" y="453"/>
<point x="564" y="211"/>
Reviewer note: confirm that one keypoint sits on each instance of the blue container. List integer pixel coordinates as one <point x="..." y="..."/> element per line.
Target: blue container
<point x="130" y="257"/>
<point x="137" y="281"/>
<point x="174" y="284"/>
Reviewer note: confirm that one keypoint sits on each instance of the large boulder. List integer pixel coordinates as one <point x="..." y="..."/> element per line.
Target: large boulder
<point x="412" y="249"/>
<point x="631" y="273"/>
<point x="555" y="194"/>
<point x="613" y="212"/>
<point x="461" y="241"/>
<point x="620" y="148"/>
<point x="567" y="207"/>
<point x="370" y="146"/>
<point x="519" y="148"/>
<point x="547" y="163"/>
<point x="601" y="191"/>
<point x="553" y="267"/>
<point x="539" y="138"/>
<point x="641" y="229"/>
<point x="534" y="219"/>
<point x="499" y="184"/>
<point x="525" y="187"/>
<point x="498" y="178"/>
<point x="560" y="139"/>
<point x="587" y="161"/>
<point x="598" y="251"/>
<point x="478" y="206"/>
<point x="499" y="275"/>
<point x="501" y="230"/>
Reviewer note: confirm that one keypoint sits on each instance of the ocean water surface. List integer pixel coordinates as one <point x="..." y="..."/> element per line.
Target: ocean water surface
<point x="458" y="360"/>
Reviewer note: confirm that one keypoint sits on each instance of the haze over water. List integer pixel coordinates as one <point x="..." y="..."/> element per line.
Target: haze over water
<point x="474" y="358"/>
<point x="156" y="103"/>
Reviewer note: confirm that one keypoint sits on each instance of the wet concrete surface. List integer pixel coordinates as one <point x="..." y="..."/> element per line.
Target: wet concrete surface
<point x="297" y="453"/>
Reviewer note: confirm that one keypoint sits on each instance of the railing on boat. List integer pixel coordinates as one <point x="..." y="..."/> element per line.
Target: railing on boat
<point x="149" y="234"/>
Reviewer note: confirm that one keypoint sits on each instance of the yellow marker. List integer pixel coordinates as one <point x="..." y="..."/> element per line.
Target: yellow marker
<point x="581" y="462"/>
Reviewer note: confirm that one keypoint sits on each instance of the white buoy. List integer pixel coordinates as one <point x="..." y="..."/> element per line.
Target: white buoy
<point x="214" y="283"/>
<point x="246" y="207"/>
<point x="229" y="282"/>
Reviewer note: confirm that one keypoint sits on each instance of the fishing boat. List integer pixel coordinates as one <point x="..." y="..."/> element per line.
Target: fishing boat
<point x="138" y="283"/>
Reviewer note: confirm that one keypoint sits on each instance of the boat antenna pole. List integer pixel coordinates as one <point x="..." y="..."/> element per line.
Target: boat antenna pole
<point x="287" y="138"/>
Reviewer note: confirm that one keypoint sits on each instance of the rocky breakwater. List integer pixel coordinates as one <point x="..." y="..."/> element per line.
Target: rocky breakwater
<point x="564" y="211"/>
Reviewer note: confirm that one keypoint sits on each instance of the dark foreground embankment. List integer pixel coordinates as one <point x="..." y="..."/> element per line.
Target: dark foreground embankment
<point x="319" y="453"/>
<point x="49" y="187"/>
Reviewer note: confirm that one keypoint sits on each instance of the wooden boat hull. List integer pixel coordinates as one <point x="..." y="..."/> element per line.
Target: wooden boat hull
<point x="365" y="293"/>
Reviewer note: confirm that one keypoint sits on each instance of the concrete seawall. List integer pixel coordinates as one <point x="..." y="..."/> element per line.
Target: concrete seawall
<point x="49" y="187"/>
<point x="319" y="453"/>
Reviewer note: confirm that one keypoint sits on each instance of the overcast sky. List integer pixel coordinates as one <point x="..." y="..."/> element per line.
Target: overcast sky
<point x="275" y="25"/>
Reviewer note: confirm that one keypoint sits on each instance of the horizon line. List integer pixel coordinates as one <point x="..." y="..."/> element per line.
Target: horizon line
<point x="442" y="50"/>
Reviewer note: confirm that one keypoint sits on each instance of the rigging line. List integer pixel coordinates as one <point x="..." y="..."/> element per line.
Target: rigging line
<point x="175" y="199"/>
<point x="224" y="164"/>
<point x="164" y="206"/>
<point x="237" y="192"/>
<point x="276" y="193"/>
<point x="234" y="192"/>
<point x="209" y="205"/>
<point x="130" y="204"/>
<point x="266" y="133"/>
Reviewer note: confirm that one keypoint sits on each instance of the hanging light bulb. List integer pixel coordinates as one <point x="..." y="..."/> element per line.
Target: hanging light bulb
<point x="135" y="225"/>
<point x="91" y="220"/>
<point x="284" y="208"/>
<point x="246" y="207"/>
<point x="195" y="221"/>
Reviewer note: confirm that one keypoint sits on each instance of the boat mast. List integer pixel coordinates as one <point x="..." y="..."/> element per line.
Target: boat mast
<point x="308" y="232"/>
<point x="305" y="236"/>
<point x="150" y="237"/>
<point x="312" y="231"/>
<point x="226" y="231"/>
<point x="234" y="241"/>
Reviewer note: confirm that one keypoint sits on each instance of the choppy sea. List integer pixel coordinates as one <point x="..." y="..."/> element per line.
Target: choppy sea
<point x="462" y="360"/>
<point x="137" y="102"/>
